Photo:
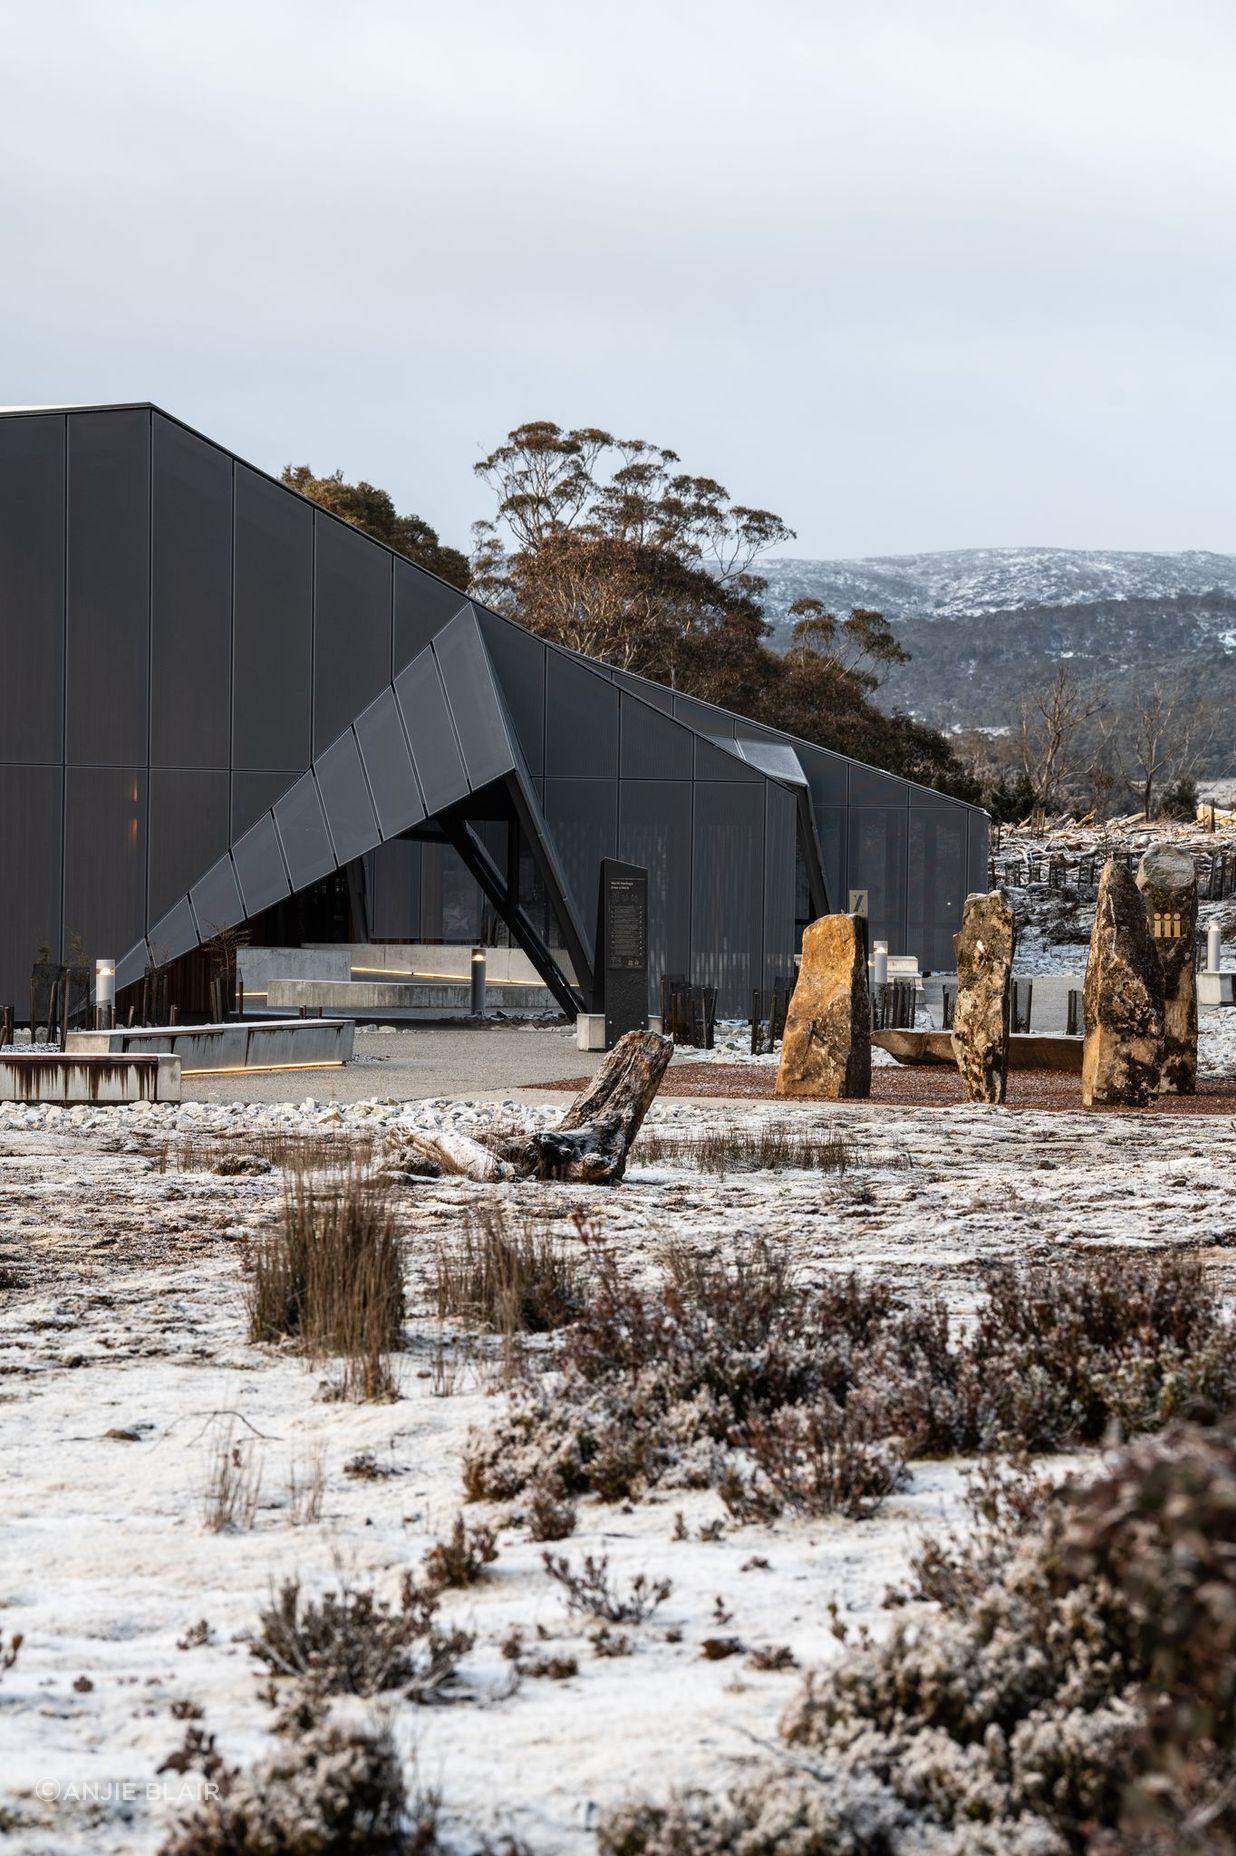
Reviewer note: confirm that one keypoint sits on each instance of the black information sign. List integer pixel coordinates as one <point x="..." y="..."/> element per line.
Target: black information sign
<point x="621" y="985"/>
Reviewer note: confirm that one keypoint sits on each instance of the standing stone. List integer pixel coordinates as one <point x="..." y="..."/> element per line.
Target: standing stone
<point x="1122" y="1057"/>
<point x="826" y="1045"/>
<point x="1168" y="881"/>
<point x="984" y="950"/>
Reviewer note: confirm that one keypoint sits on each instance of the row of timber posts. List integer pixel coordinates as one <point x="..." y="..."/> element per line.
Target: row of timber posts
<point x="1216" y="871"/>
<point x="688" y="1013"/>
<point x="768" y="1010"/>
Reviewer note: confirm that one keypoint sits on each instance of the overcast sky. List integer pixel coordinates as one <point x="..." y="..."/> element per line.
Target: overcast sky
<point x="912" y="273"/>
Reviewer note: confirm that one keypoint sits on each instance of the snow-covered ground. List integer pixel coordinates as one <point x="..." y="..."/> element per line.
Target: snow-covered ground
<point x="124" y="1365"/>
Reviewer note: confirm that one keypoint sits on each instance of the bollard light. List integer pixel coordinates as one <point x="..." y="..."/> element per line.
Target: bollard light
<point x="104" y="994"/>
<point x="478" y="982"/>
<point x="879" y="962"/>
<point x="1214" y="948"/>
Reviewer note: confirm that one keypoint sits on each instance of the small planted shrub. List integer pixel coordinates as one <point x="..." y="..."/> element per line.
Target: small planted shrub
<point x="351" y="1642"/>
<point x="462" y="1559"/>
<point x="331" y="1279"/>
<point x="332" y="1790"/>
<point x="591" y="1592"/>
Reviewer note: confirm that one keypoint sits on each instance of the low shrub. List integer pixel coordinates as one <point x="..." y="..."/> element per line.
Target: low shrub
<point x="331" y="1791"/>
<point x="351" y="1642"/>
<point x="591" y="1592"/>
<point x="331" y="1276"/>
<point x="1075" y="1692"/>
<point x="462" y="1559"/>
<point x="737" y="1376"/>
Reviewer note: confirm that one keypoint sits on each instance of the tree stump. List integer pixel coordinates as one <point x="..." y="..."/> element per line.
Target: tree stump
<point x="1122" y="1058"/>
<point x="984" y="950"/>
<point x="1168" y="882"/>
<point x="591" y="1143"/>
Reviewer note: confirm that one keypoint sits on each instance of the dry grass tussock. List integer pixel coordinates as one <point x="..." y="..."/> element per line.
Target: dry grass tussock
<point x="330" y="1277"/>
<point x="788" y="1397"/>
<point x="763" y="1145"/>
<point x="510" y="1272"/>
<point x="1073" y="1695"/>
<point x="234" y="1153"/>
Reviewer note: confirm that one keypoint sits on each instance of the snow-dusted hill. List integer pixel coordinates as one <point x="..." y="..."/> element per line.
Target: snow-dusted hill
<point x="964" y="581"/>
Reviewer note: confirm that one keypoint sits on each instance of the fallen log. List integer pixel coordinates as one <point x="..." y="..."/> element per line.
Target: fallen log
<point x="591" y="1143"/>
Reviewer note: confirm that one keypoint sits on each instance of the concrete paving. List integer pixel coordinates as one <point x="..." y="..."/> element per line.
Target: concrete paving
<point x="484" y="1061"/>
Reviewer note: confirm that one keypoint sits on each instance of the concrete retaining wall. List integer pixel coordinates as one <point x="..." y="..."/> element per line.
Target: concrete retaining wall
<point x="399" y="998"/>
<point x="89" y="1077"/>
<point x="238" y="1046"/>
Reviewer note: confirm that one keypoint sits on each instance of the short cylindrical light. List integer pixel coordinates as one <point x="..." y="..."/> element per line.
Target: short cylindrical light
<point x="478" y="982"/>
<point x="1214" y="947"/>
<point x="104" y="993"/>
<point x="879" y="962"/>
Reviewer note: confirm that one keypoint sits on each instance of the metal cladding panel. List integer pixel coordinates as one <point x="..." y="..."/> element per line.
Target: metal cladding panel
<point x="258" y="861"/>
<point x="780" y="880"/>
<point x="477" y="712"/>
<point x="715" y="763"/>
<point x="423" y="605"/>
<point x="431" y="733"/>
<point x="108" y="592"/>
<point x="652" y="746"/>
<point x="978" y="874"/>
<point x="176" y="934"/>
<point x="302" y="833"/>
<point x="32" y="453"/>
<point x="582" y="816"/>
<point x="392" y="780"/>
<point x="828" y="775"/>
<point x="255" y="793"/>
<point x="272" y="695"/>
<point x="868" y="787"/>
<point x="345" y="795"/>
<point x="654" y="693"/>
<point x="702" y="716"/>
<point x="190" y="601"/>
<point x="353" y="614"/>
<point x="131" y="966"/>
<point x="217" y="901"/>
<point x="395" y="903"/>
<point x="189" y="829"/>
<point x="104" y="857"/>
<point x="935" y="884"/>
<point x="877" y="863"/>
<point x="581" y="723"/>
<point x="518" y="661"/>
<point x="727" y="891"/>
<point x="654" y="831"/>
<point x="31" y="808"/>
<point x="832" y="824"/>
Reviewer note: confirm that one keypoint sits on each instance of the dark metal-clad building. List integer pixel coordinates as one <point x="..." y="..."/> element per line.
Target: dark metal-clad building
<point x="220" y="705"/>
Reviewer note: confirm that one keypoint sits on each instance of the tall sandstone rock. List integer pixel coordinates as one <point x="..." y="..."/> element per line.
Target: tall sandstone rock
<point x="1122" y="1059"/>
<point x="826" y="1046"/>
<point x="1168" y="882"/>
<point x="984" y="951"/>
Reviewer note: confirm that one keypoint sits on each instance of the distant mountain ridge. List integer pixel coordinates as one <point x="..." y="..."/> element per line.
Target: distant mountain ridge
<point x="984" y="625"/>
<point x="962" y="582"/>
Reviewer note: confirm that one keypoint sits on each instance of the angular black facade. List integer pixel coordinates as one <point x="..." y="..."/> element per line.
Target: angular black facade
<point x="218" y="698"/>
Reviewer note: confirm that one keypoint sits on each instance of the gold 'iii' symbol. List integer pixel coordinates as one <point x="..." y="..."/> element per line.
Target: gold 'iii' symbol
<point x="1167" y="927"/>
